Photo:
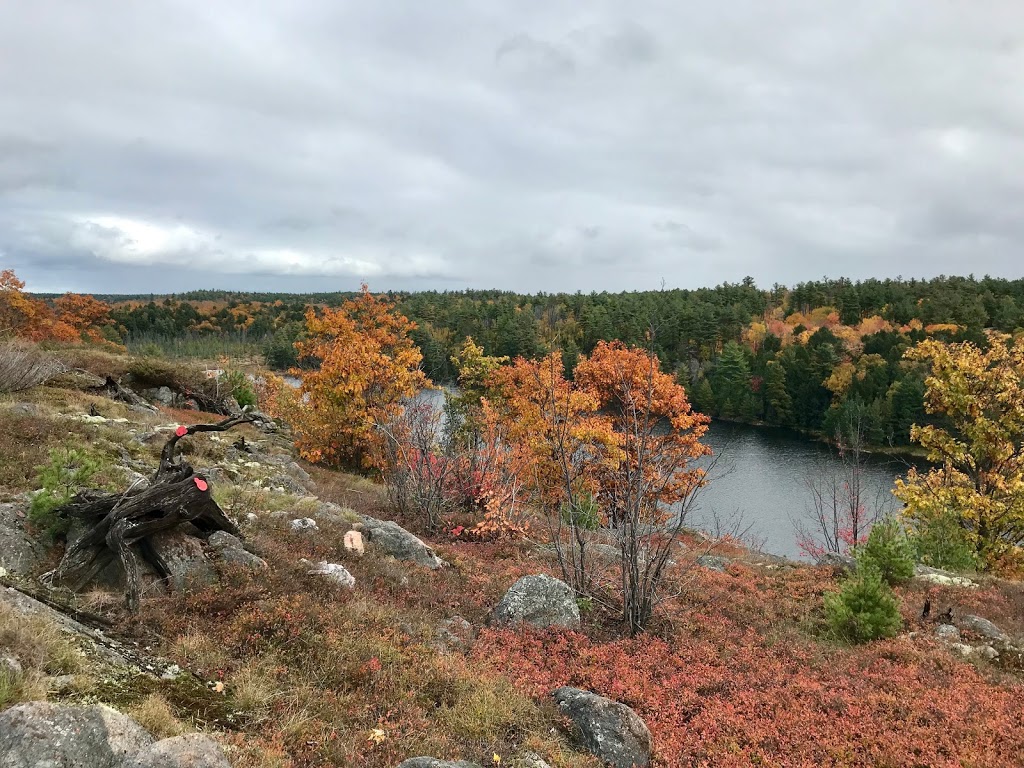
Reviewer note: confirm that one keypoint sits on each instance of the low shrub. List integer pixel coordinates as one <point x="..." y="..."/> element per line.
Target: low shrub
<point x="865" y="609"/>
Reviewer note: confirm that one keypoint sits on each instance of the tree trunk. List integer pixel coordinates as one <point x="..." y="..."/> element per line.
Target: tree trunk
<point x="120" y="524"/>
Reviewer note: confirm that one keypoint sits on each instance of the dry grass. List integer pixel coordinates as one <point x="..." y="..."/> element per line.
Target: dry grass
<point x="353" y="491"/>
<point x="154" y="714"/>
<point x="40" y="648"/>
<point x="37" y="643"/>
<point x="24" y="366"/>
<point x="98" y="362"/>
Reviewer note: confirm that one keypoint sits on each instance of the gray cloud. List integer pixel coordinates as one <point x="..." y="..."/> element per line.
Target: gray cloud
<point x="175" y="144"/>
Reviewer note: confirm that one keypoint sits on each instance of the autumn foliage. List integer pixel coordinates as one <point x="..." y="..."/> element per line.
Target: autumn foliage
<point x="979" y="450"/>
<point x="72" y="318"/>
<point x="366" y="366"/>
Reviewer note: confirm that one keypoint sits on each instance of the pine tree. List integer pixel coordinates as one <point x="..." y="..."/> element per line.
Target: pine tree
<point x="779" y="405"/>
<point x="732" y="382"/>
<point x="865" y="609"/>
<point x="888" y="551"/>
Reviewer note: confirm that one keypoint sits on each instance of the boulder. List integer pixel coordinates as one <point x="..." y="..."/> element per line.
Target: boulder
<point x="940" y="577"/>
<point x="605" y="553"/>
<point x="541" y="601"/>
<point x="231" y="550"/>
<point x="286" y="483"/>
<point x="453" y="635"/>
<point x="328" y="512"/>
<point x="19" y="552"/>
<point x="987" y="652"/>
<point x="44" y="735"/>
<point x="184" y="557"/>
<point x="333" y="572"/>
<point x="433" y="762"/>
<point x="947" y="633"/>
<point x="392" y="539"/>
<point x="713" y="563"/>
<point x="983" y="627"/>
<point x="162" y="395"/>
<point x="195" y="750"/>
<point x="25" y="409"/>
<point x="304" y="524"/>
<point x="842" y="563"/>
<point x="610" y="730"/>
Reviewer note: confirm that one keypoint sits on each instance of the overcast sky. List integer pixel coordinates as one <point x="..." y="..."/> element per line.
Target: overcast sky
<point x="163" y="145"/>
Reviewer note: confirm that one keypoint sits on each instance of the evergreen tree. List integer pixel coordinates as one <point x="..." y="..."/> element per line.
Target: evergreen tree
<point x="778" y="403"/>
<point x="888" y="551"/>
<point x="732" y="383"/>
<point x="865" y="609"/>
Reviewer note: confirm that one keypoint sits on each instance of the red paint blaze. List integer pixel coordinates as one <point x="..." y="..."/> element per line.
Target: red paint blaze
<point x="181" y="431"/>
<point x="201" y="484"/>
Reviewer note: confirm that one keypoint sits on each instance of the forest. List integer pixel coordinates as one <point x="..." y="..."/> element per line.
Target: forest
<point x="816" y="357"/>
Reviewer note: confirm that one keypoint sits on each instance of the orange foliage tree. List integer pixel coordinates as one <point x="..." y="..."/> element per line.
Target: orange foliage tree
<point x="77" y="317"/>
<point x="555" y="426"/>
<point x="652" y="486"/>
<point x="367" y="367"/>
<point x="614" y="448"/>
<point x="83" y="315"/>
<point x="20" y="314"/>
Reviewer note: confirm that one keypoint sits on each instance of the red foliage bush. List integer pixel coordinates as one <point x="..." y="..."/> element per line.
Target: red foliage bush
<point x="748" y="702"/>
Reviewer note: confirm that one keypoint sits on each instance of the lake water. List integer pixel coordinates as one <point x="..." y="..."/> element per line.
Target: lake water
<point x="761" y="481"/>
<point x="759" y="484"/>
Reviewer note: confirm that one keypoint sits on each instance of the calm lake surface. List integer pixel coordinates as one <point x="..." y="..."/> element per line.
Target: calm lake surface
<point x="759" y="483"/>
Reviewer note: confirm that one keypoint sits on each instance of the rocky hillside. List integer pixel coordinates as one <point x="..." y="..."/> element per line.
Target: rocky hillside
<point x="325" y="633"/>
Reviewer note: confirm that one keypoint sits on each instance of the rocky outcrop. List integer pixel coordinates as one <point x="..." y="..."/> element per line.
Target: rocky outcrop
<point x="333" y="572"/>
<point x="842" y="563"/>
<point x="40" y="734"/>
<point x="392" y="539"/>
<point x="183" y="556"/>
<point x="541" y="601"/>
<point x="983" y="627"/>
<point x="947" y="633"/>
<point x="19" y="552"/>
<point x="713" y="563"/>
<point x="454" y="635"/>
<point x="44" y="735"/>
<point x="231" y="550"/>
<point x="610" y="730"/>
<point x="433" y="762"/>
<point x="940" y="577"/>
<point x="195" y="750"/>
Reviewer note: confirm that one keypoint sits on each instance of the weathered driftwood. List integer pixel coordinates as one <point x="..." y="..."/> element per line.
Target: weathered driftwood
<point x="119" y="524"/>
<point x="123" y="394"/>
<point x="115" y="391"/>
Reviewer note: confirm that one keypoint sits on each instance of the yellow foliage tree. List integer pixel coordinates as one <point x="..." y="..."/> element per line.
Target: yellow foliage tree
<point x="368" y="366"/>
<point x="980" y="450"/>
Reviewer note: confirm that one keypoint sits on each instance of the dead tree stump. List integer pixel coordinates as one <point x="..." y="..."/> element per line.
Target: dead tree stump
<point x="119" y="524"/>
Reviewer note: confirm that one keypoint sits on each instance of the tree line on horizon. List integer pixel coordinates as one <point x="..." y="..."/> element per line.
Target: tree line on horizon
<point x="814" y="357"/>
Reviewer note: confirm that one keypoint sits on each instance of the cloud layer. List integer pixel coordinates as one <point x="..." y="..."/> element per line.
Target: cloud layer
<point x="552" y="145"/>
